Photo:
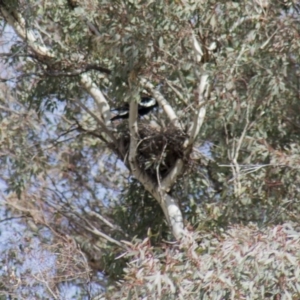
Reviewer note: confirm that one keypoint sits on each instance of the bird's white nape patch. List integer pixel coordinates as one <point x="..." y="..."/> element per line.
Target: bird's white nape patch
<point x="148" y="103"/>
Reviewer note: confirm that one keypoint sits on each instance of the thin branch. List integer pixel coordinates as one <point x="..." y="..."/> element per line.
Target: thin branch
<point x="235" y="154"/>
<point x="13" y="218"/>
<point x="265" y="44"/>
<point x="97" y="232"/>
<point x="241" y="21"/>
<point x="15" y="20"/>
<point x="11" y="110"/>
<point x="203" y="94"/>
<point x="158" y="165"/>
<point x="179" y="95"/>
<point x="163" y="103"/>
<point x="197" y="48"/>
<point x="45" y="282"/>
<point x="97" y="119"/>
<point x="76" y="72"/>
<point x="199" y="115"/>
<point x="169" y="180"/>
<point x="134" y="167"/>
<point x="105" y="221"/>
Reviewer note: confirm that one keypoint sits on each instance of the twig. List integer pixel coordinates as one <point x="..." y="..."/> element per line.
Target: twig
<point x="163" y="103"/>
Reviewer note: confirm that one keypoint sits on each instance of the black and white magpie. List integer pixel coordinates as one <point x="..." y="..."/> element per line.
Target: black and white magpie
<point x="144" y="107"/>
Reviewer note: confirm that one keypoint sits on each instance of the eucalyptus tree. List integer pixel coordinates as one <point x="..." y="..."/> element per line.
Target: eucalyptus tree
<point x="224" y="74"/>
<point x="113" y="51"/>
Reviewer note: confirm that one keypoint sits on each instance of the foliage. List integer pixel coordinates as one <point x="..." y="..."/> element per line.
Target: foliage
<point x="241" y="263"/>
<point x="68" y="185"/>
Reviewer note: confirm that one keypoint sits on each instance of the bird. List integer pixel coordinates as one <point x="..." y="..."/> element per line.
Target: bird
<point x="144" y="107"/>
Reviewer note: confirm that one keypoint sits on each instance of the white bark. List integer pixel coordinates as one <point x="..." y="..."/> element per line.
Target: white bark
<point x="169" y="205"/>
<point x="95" y="92"/>
<point x="173" y="213"/>
<point x="203" y="93"/>
<point x="197" y="49"/>
<point x="165" y="105"/>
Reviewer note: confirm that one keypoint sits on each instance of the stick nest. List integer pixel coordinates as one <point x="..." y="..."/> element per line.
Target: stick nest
<point x="158" y="147"/>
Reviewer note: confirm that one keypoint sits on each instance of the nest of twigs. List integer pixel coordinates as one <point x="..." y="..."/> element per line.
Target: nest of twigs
<point x="158" y="147"/>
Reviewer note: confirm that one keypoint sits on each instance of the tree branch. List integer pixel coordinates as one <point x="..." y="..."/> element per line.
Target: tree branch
<point x="76" y="72"/>
<point x="203" y="94"/>
<point x="133" y="129"/>
<point x="15" y="20"/>
<point x="95" y="92"/>
<point x="163" y="103"/>
<point x="105" y="221"/>
<point x="197" y="48"/>
<point x="99" y="122"/>
<point x="99" y="233"/>
<point x="169" y="205"/>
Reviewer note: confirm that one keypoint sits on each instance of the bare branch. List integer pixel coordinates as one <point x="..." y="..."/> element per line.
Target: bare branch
<point x="133" y="129"/>
<point x="99" y="233"/>
<point x="169" y="180"/>
<point x="241" y="21"/>
<point x="97" y="95"/>
<point x="104" y="220"/>
<point x="203" y="94"/>
<point x="76" y="72"/>
<point x="178" y="94"/>
<point x="134" y="167"/>
<point x="197" y="48"/>
<point x="235" y="154"/>
<point x="199" y="114"/>
<point x="98" y="120"/>
<point x="265" y="44"/>
<point x="169" y="205"/>
<point x="163" y="103"/>
<point x="45" y="282"/>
